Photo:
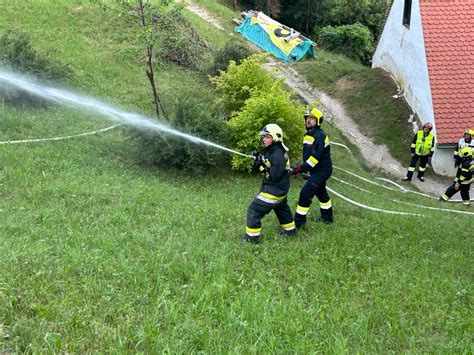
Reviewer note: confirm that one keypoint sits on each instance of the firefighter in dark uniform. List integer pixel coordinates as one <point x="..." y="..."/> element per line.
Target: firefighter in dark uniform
<point x="422" y="148"/>
<point x="462" y="181"/>
<point x="465" y="141"/>
<point x="317" y="162"/>
<point x="274" y="164"/>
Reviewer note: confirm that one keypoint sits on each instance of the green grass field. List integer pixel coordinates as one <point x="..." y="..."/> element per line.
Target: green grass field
<point x="101" y="254"/>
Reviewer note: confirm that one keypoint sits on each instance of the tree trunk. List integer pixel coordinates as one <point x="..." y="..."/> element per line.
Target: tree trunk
<point x="308" y="14"/>
<point x="234" y="5"/>
<point x="150" y="72"/>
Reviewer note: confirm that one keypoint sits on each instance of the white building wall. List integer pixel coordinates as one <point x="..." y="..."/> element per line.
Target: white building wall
<point x="401" y="52"/>
<point x="443" y="162"/>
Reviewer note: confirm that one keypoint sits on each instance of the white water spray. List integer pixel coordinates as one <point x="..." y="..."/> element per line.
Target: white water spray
<point x="67" y="98"/>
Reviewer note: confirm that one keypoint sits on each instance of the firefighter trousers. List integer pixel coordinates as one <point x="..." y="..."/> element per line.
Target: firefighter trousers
<point x="315" y="186"/>
<point x="259" y="209"/>
<point x="421" y="170"/>
<point x="463" y="188"/>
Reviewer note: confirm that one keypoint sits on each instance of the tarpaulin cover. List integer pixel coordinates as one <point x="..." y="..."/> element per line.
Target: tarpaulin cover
<point x="273" y="37"/>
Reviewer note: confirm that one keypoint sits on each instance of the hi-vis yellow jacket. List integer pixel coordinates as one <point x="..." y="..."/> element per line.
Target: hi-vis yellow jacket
<point x="423" y="145"/>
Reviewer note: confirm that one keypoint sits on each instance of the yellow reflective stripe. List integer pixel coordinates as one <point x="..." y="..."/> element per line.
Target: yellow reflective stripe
<point x="456" y="152"/>
<point x="267" y="163"/>
<point x="267" y="195"/>
<point x="312" y="161"/>
<point x="308" y="140"/>
<point x="411" y="169"/>
<point x="288" y="226"/>
<point x="422" y="169"/>
<point x="302" y="210"/>
<point x="413" y="145"/>
<point x="268" y="198"/>
<point x="325" y="205"/>
<point x="261" y="168"/>
<point x="466" y="170"/>
<point x="444" y="197"/>
<point x="253" y="232"/>
<point x="326" y="141"/>
<point x="467" y="182"/>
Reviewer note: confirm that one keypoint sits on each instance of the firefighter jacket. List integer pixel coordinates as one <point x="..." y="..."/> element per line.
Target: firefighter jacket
<point x="464" y="173"/>
<point x="276" y="177"/>
<point x="423" y="144"/>
<point x="316" y="151"/>
<point x="461" y="144"/>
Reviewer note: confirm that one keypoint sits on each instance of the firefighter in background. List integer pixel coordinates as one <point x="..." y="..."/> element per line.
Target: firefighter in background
<point x="463" y="179"/>
<point x="274" y="164"/>
<point x="317" y="161"/>
<point x="422" y="148"/>
<point x="465" y="141"/>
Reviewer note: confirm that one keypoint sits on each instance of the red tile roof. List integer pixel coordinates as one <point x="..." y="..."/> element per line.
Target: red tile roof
<point x="448" y="28"/>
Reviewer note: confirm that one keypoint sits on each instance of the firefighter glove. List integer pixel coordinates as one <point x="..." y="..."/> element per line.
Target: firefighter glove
<point x="259" y="158"/>
<point x="295" y="170"/>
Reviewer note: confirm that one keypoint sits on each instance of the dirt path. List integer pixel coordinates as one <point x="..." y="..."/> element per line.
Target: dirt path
<point x="376" y="156"/>
<point x="197" y="10"/>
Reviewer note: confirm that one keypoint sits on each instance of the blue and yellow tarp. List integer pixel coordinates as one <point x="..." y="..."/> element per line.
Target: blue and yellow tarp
<point x="272" y="37"/>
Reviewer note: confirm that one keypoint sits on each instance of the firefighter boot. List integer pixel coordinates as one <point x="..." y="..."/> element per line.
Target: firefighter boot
<point x="409" y="176"/>
<point x="285" y="233"/>
<point x="326" y="215"/>
<point x="250" y="239"/>
<point x="324" y="220"/>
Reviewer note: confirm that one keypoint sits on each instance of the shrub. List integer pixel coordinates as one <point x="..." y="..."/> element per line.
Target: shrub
<point x="266" y="106"/>
<point x="355" y="41"/>
<point x="17" y="51"/>
<point x="232" y="51"/>
<point x="193" y="115"/>
<point x="178" y="42"/>
<point x="237" y="83"/>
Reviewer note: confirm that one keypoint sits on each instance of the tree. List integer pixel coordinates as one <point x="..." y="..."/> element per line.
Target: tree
<point x="309" y="16"/>
<point x="148" y="15"/>
<point x="304" y="15"/>
<point x="270" y="7"/>
<point x="150" y="31"/>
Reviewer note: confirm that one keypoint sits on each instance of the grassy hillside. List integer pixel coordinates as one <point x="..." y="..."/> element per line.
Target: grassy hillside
<point x="101" y="254"/>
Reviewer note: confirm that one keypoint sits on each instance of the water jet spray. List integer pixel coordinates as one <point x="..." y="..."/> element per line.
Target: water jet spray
<point x="69" y="99"/>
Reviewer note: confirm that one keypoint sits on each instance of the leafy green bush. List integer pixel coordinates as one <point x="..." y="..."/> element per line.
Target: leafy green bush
<point x="17" y="52"/>
<point x="193" y="115"/>
<point x="232" y="51"/>
<point x="237" y="83"/>
<point x="270" y="106"/>
<point x="355" y="41"/>
<point x="178" y="42"/>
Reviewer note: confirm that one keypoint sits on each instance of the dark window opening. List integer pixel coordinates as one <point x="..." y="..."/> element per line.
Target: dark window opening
<point x="407" y="14"/>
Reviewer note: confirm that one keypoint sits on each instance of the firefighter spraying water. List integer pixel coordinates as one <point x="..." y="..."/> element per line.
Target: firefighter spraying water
<point x="274" y="165"/>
